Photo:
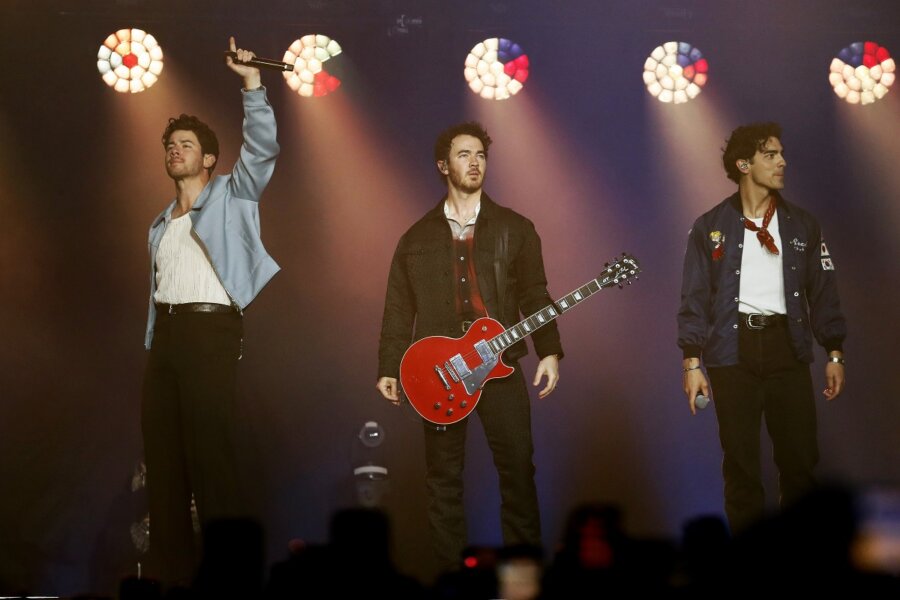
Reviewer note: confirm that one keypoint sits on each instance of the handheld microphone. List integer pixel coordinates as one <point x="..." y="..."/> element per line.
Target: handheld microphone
<point x="701" y="401"/>
<point x="262" y="63"/>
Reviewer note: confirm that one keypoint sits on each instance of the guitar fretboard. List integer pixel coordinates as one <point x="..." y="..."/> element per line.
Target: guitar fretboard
<point x="527" y="326"/>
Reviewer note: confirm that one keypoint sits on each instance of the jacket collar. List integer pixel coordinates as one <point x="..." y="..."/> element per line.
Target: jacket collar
<point x="198" y="205"/>
<point x="164" y="215"/>
<point x="200" y="202"/>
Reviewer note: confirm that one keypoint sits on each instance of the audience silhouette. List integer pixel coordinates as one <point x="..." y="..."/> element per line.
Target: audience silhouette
<point x="356" y="563"/>
<point x="810" y="547"/>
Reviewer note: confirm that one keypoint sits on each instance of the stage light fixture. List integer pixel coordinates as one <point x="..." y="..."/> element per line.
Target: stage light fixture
<point x="862" y="73"/>
<point x="368" y="464"/>
<point x="496" y="68"/>
<point x="130" y="60"/>
<point x="675" y="72"/>
<point x="308" y="55"/>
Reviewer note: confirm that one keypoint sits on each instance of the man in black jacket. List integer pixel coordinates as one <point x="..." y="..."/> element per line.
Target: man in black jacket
<point x="468" y="258"/>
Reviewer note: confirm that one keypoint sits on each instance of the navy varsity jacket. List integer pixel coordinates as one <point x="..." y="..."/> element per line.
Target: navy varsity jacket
<point x="708" y="317"/>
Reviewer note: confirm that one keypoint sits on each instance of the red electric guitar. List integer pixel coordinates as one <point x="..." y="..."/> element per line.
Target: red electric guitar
<point x="443" y="377"/>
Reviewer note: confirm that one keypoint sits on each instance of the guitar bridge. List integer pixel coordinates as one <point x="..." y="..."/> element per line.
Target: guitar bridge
<point x="459" y="365"/>
<point x="440" y="373"/>
<point x="453" y="374"/>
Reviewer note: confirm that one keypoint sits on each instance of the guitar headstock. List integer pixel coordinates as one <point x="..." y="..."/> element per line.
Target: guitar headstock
<point x="620" y="271"/>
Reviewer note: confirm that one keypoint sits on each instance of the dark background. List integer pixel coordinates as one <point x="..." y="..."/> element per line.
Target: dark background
<point x="599" y="165"/>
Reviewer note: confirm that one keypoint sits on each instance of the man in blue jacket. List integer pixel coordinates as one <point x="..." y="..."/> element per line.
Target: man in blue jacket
<point x="758" y="285"/>
<point x="207" y="264"/>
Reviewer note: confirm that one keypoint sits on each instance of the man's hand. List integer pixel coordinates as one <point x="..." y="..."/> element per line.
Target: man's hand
<point x="548" y="367"/>
<point x="389" y="389"/>
<point x="834" y="380"/>
<point x="694" y="381"/>
<point x="250" y="74"/>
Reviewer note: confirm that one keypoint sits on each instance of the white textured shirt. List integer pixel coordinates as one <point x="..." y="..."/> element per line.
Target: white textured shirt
<point x="183" y="271"/>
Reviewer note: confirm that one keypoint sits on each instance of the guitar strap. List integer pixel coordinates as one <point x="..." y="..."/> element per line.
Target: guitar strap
<point x="501" y="252"/>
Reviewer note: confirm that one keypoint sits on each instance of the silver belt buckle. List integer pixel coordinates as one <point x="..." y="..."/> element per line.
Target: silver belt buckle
<point x="750" y="324"/>
<point x="465" y="325"/>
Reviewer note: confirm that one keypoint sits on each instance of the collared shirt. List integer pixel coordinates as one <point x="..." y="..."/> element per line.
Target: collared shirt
<point x="459" y="229"/>
<point x="469" y="304"/>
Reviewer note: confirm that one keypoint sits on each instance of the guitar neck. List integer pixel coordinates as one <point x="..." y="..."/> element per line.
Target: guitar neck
<point x="529" y="325"/>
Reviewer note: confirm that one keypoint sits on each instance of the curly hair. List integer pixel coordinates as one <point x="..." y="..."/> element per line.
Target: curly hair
<point x="445" y="140"/>
<point x="209" y="143"/>
<point x="744" y="142"/>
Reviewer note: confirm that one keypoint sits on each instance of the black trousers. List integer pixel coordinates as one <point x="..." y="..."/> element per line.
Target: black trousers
<point x="187" y="420"/>
<point x="505" y="414"/>
<point x="768" y="381"/>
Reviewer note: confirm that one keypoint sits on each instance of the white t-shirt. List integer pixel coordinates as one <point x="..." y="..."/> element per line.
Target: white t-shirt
<point x="762" y="278"/>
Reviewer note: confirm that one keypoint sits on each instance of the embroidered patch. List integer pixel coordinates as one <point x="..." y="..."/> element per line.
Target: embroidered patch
<point x="798" y="245"/>
<point x="827" y="264"/>
<point x="718" y="239"/>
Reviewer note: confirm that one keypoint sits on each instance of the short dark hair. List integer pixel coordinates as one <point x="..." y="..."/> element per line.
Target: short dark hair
<point x="445" y="139"/>
<point x="744" y="142"/>
<point x="209" y="143"/>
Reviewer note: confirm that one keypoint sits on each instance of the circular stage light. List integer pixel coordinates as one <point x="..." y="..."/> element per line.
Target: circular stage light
<point x="496" y="68"/>
<point x="862" y="72"/>
<point x="130" y="60"/>
<point x="675" y="72"/>
<point x="308" y="55"/>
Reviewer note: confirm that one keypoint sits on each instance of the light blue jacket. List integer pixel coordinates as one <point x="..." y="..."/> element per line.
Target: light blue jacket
<point x="226" y="215"/>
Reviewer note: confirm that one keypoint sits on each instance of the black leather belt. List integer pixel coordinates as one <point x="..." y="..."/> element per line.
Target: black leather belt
<point x="760" y="321"/>
<point x="193" y="307"/>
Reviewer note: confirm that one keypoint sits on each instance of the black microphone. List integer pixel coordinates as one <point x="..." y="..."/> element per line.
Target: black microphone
<point x="701" y="401"/>
<point x="262" y="63"/>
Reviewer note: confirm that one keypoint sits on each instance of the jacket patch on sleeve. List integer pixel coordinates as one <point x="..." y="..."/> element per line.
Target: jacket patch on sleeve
<point x="827" y="264"/>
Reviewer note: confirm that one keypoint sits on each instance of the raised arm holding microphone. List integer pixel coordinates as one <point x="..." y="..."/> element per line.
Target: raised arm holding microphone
<point x="207" y="263"/>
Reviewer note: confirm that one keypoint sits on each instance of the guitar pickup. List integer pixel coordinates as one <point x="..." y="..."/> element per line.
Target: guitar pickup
<point x="453" y="374"/>
<point x="484" y="351"/>
<point x="460" y="366"/>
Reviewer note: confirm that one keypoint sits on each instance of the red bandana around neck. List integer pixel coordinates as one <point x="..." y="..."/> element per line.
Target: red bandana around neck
<point x="762" y="233"/>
